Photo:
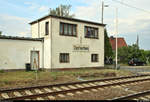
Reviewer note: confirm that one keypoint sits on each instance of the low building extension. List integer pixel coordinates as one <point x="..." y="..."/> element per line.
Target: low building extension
<point x="56" y="43"/>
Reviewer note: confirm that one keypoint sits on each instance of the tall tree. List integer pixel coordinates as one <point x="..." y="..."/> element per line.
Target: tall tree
<point x="0" y="33"/>
<point x="62" y="10"/>
<point x="108" y="49"/>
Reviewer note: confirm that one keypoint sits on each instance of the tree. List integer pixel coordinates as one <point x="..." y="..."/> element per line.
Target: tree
<point x="108" y="53"/>
<point x="0" y="33"/>
<point x="62" y="10"/>
<point x="146" y="56"/>
<point x="122" y="54"/>
<point x="127" y="53"/>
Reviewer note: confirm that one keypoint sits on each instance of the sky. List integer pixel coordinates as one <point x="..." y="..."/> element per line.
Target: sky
<point x="15" y="16"/>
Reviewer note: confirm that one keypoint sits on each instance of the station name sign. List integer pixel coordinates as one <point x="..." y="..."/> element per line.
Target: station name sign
<point x="81" y="48"/>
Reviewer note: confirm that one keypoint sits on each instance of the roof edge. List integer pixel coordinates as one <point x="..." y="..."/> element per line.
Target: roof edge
<point x="72" y="19"/>
<point x="21" y="38"/>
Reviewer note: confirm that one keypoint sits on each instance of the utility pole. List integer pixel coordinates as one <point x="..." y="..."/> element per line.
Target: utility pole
<point x="102" y="10"/>
<point x="116" y="37"/>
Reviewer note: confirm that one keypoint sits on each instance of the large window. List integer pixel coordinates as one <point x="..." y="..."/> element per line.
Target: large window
<point x="46" y="28"/>
<point x="91" y="32"/>
<point x="64" y="57"/>
<point x="68" y="29"/>
<point x="94" y="58"/>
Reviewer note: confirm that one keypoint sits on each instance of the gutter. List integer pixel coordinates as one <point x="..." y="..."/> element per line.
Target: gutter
<point x="51" y="44"/>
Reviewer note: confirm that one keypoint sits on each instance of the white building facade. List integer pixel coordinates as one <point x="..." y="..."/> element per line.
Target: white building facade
<point x="69" y="42"/>
<point x="56" y="43"/>
<point x="15" y="52"/>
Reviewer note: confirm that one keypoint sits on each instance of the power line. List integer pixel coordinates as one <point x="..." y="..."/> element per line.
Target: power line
<point x="131" y="6"/>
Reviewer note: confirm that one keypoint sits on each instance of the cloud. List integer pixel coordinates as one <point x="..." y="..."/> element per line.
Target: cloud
<point x="43" y="8"/>
<point x="34" y="6"/>
<point x="31" y="5"/>
<point x="14" y="26"/>
<point x="89" y="12"/>
<point x="24" y="33"/>
<point x="131" y="21"/>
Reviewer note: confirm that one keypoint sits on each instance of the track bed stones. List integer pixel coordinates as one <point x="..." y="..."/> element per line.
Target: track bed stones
<point x="78" y="92"/>
<point x="5" y="95"/>
<point x="40" y="98"/>
<point x="61" y="95"/>
<point x="51" y="97"/>
<point x="70" y="94"/>
<point x="17" y="94"/>
<point x="38" y="91"/>
<point x="79" y="86"/>
<point x="65" y="88"/>
<point x="102" y="83"/>
<point x="94" y="90"/>
<point x="57" y="89"/>
<point x="86" y="91"/>
<point x="148" y="96"/>
<point x="71" y="89"/>
<point x="48" y="90"/>
<point x="86" y="85"/>
<point x="92" y="84"/>
<point x="28" y="92"/>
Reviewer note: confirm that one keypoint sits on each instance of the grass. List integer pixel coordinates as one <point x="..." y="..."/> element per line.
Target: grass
<point x="1" y="71"/>
<point x="123" y="64"/>
<point x="23" y="78"/>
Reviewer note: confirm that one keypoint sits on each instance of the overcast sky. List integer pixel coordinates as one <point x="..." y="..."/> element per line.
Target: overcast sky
<point x="16" y="14"/>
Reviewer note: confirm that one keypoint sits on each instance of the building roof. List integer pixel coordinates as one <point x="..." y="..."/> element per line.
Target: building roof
<point x="120" y="41"/>
<point x="66" y="18"/>
<point x="20" y="38"/>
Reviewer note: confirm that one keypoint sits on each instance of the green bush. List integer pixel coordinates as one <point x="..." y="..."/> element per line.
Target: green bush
<point x="1" y="71"/>
<point x="127" y="53"/>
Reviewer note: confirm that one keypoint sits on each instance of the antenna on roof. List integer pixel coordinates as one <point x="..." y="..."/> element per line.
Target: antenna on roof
<point x="50" y="11"/>
<point x="137" y="41"/>
<point x="60" y="10"/>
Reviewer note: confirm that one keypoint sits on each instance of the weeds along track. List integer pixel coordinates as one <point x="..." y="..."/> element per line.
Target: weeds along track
<point x="136" y="96"/>
<point x="49" y="92"/>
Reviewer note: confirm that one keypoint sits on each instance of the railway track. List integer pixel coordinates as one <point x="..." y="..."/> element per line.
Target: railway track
<point x="137" y="96"/>
<point x="49" y="92"/>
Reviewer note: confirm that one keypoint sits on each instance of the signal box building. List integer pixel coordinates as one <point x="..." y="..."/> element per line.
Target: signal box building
<point x="56" y="43"/>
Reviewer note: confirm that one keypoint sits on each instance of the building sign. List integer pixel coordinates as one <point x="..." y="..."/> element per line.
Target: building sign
<point x="81" y="48"/>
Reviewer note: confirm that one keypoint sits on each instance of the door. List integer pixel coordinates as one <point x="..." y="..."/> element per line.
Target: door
<point x="34" y="60"/>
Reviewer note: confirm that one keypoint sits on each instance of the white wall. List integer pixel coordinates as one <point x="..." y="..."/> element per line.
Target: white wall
<point x="40" y="26"/>
<point x="64" y="44"/>
<point x="38" y="29"/>
<point x="34" y="30"/>
<point x="15" y="53"/>
<point x="54" y="44"/>
<point x="47" y="53"/>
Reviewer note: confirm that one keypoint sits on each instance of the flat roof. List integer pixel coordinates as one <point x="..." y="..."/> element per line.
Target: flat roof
<point x="21" y="38"/>
<point x="67" y="18"/>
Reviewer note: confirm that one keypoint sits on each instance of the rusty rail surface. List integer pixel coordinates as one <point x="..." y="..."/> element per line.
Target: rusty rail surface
<point x="72" y="83"/>
<point x="131" y="96"/>
<point x="74" y="90"/>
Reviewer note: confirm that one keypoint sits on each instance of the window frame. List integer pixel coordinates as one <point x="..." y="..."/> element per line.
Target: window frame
<point x="46" y="28"/>
<point x="68" y="25"/>
<point x="65" y="56"/>
<point x="96" y="56"/>
<point x="91" y="30"/>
